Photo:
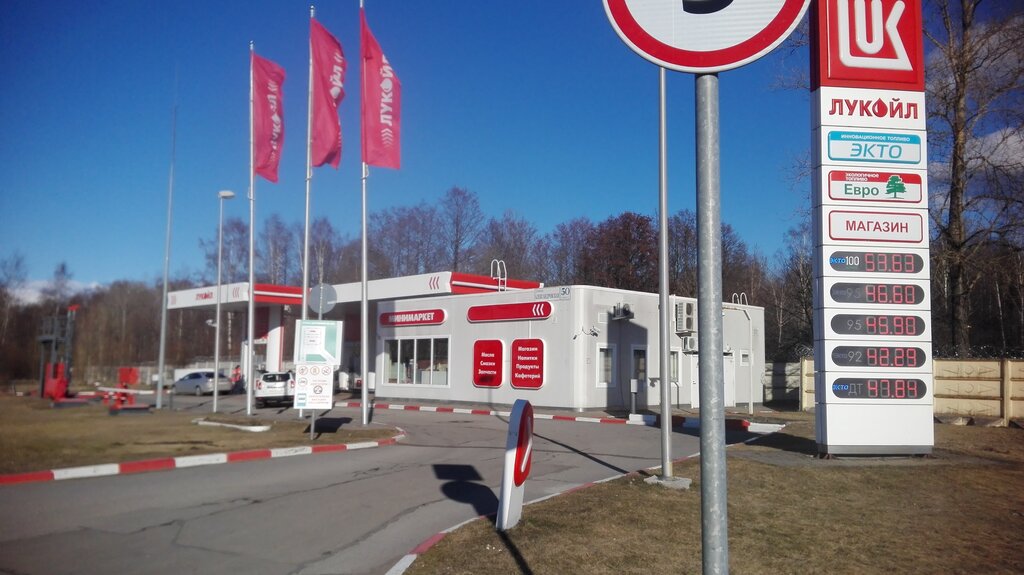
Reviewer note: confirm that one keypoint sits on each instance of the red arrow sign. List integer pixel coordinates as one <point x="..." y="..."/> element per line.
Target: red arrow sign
<point x="509" y="312"/>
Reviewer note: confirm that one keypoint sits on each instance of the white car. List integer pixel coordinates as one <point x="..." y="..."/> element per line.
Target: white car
<point x="201" y="383"/>
<point x="277" y="387"/>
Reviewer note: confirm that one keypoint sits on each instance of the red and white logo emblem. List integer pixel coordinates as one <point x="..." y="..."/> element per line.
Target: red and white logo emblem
<point x="869" y="44"/>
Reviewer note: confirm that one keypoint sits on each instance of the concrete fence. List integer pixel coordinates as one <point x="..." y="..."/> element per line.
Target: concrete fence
<point x="986" y="390"/>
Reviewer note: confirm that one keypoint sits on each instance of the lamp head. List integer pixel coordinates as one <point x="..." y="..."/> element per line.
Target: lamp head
<point x="225" y="194"/>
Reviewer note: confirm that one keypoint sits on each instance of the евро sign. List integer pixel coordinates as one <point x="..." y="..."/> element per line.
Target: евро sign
<point x="878" y="188"/>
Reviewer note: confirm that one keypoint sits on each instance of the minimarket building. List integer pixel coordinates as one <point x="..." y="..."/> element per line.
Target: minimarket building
<point x="455" y="337"/>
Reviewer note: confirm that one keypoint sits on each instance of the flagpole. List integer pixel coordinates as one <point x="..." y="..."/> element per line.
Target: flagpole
<point x="309" y="184"/>
<point x="364" y="340"/>
<point x="309" y="174"/>
<point x="167" y="250"/>
<point x="249" y="371"/>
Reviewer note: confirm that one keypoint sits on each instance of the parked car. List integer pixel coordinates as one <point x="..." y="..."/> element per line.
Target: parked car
<point x="275" y="387"/>
<point x="200" y="382"/>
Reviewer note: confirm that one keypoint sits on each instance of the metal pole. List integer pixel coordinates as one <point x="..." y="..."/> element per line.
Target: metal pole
<point x="364" y="337"/>
<point x="221" y="196"/>
<point x="167" y="252"/>
<point x="249" y="371"/>
<point x="714" y="510"/>
<point x="309" y="175"/>
<point x="663" y="318"/>
<point x="216" y="321"/>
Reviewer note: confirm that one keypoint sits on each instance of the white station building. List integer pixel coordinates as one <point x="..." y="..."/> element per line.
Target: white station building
<point x="455" y="337"/>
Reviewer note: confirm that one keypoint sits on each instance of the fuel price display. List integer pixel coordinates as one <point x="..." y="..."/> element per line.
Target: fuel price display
<point x="879" y="356"/>
<point x="878" y="293"/>
<point x="875" y="324"/>
<point x="880" y="388"/>
<point x="872" y="262"/>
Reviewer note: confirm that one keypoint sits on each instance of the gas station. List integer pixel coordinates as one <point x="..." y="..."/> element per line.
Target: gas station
<point x="458" y="337"/>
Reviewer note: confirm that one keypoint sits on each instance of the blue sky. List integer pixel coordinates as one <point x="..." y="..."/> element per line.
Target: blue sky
<point x="536" y="106"/>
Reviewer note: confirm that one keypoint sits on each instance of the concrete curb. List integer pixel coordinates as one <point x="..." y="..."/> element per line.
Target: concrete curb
<point x="732" y="424"/>
<point x="168" y="463"/>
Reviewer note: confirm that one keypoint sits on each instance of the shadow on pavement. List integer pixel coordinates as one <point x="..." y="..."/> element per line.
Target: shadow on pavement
<point x="330" y="424"/>
<point x="461" y="485"/>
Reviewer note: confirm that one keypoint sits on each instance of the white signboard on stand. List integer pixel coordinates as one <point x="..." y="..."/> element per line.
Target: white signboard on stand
<point x="314" y="386"/>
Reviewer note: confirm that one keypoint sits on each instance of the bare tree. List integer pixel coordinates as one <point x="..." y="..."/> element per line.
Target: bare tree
<point x="12" y="278"/>
<point x="976" y="105"/>
<point x="235" y="257"/>
<point x="59" y="290"/>
<point x="622" y="252"/>
<point x="324" y="251"/>
<point x="461" y="224"/>
<point x="403" y="241"/>
<point x="513" y="240"/>
<point x="565" y="248"/>
<point x="275" y="253"/>
<point x="791" y="304"/>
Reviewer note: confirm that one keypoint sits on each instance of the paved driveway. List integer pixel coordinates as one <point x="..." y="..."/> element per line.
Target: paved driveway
<point x="350" y="512"/>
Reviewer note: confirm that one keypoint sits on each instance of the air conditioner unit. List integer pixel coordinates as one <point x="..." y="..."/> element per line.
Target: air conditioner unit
<point x="686" y="317"/>
<point x="621" y="311"/>
<point x="689" y="343"/>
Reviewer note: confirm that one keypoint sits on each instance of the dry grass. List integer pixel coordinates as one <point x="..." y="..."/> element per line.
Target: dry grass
<point x="34" y="436"/>
<point x="961" y="511"/>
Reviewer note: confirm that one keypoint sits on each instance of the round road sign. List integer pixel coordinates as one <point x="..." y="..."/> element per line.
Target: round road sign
<point x="322" y="298"/>
<point x="704" y="36"/>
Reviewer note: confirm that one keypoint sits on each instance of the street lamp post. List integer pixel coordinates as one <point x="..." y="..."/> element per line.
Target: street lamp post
<point x="221" y="195"/>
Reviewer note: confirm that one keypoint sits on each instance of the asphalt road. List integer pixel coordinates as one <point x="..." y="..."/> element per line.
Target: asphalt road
<point x="350" y="512"/>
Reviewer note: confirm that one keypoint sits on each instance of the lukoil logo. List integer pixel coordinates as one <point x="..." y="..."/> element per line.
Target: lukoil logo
<point x="870" y="44"/>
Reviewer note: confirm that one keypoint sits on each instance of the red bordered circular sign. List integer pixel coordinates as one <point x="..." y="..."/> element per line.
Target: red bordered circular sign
<point x="704" y="36"/>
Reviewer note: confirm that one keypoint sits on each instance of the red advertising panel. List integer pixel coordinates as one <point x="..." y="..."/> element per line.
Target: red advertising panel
<point x="413" y="317"/>
<point x="509" y="312"/>
<point x="866" y="44"/>
<point x="527" y="358"/>
<point x="488" y="363"/>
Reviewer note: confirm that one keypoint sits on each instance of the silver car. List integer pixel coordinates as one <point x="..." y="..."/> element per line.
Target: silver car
<point x="201" y="383"/>
<point x="275" y="387"/>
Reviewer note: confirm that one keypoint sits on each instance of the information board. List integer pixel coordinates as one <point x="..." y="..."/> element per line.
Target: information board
<point x="318" y="341"/>
<point x="314" y="386"/>
<point x="874" y="385"/>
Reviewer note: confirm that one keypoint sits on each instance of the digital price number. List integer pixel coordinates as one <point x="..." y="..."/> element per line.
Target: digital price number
<point x="878" y="324"/>
<point x="876" y="262"/>
<point x="878" y="293"/>
<point x="878" y="356"/>
<point x="879" y="388"/>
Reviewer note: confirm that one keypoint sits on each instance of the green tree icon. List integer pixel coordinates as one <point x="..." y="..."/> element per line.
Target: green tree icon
<point x="894" y="187"/>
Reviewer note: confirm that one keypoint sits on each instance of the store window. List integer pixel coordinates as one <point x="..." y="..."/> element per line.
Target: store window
<point x="639" y="372"/>
<point x="417" y="361"/>
<point x="606" y="366"/>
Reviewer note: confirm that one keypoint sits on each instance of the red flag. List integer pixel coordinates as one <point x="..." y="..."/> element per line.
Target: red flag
<point x="328" y="91"/>
<point x="381" y="104"/>
<point x="267" y="116"/>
